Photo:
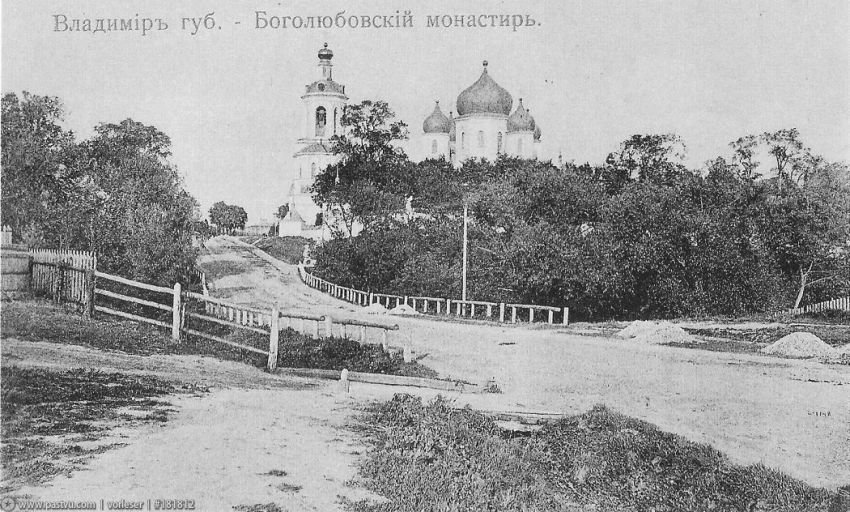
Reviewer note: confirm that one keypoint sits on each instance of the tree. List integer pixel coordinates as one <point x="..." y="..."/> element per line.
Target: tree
<point x="655" y="158"/>
<point x="228" y="217"/>
<point x="282" y="211"/>
<point x="373" y="175"/>
<point x="114" y="194"/>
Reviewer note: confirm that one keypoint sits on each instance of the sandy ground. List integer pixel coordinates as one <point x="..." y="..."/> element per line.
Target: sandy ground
<point x="217" y="447"/>
<point x="788" y="414"/>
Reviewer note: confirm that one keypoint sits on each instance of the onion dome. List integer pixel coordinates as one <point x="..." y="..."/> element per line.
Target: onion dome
<point x="485" y="96"/>
<point x="520" y="120"/>
<point x="325" y="53"/>
<point x="437" y="122"/>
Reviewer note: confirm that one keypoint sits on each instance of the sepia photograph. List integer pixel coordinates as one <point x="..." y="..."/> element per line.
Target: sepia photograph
<point x="388" y="256"/>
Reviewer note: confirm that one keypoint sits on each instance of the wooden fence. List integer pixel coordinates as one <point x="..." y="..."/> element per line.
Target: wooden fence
<point x="437" y="305"/>
<point x="842" y="304"/>
<point x="71" y="283"/>
<point x="62" y="274"/>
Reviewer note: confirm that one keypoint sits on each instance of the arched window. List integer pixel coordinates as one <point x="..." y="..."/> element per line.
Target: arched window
<point x="334" y="121"/>
<point x="321" y="121"/>
<point x="434" y="146"/>
<point x="480" y="139"/>
<point x="313" y="170"/>
<point x="499" y="144"/>
<point x="462" y="140"/>
<point x="300" y="172"/>
<point x="519" y="147"/>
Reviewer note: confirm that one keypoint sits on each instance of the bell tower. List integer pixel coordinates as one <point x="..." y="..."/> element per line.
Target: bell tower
<point x="322" y="103"/>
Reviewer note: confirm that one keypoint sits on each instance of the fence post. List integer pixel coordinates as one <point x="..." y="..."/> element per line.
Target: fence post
<point x="274" y="339"/>
<point x="88" y="307"/>
<point x="175" y="314"/>
<point x="329" y="327"/>
<point x="513" y="314"/>
<point x="551" y="316"/>
<point x="502" y="312"/>
<point x="531" y="315"/>
<point x="384" y="343"/>
<point x="566" y="316"/>
<point x="316" y="330"/>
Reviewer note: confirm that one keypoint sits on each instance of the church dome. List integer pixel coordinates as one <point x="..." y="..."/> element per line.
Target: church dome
<point x="520" y="120"/>
<point x="437" y="122"/>
<point x="325" y="53"/>
<point x="485" y="96"/>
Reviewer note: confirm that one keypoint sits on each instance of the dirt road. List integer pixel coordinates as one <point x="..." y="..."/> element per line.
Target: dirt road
<point x="788" y="414"/>
<point x="254" y="438"/>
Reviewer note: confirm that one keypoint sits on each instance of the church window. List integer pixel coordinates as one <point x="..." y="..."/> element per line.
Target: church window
<point x="480" y="139"/>
<point x="434" y="146"/>
<point x="519" y="146"/>
<point x="499" y="144"/>
<point x="334" y="121"/>
<point x="321" y="121"/>
<point x="313" y="170"/>
<point x="300" y="172"/>
<point x="462" y="140"/>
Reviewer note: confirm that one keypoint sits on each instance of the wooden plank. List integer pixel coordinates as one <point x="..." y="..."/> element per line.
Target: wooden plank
<point x="531" y="306"/>
<point x="118" y="296"/>
<point x="130" y="282"/>
<point x="222" y="340"/>
<point x="362" y="323"/>
<point x="110" y="311"/>
<point x="225" y="322"/>
<point x="379" y="378"/>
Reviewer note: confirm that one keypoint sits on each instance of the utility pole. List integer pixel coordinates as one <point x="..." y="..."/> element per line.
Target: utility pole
<point x="465" y="221"/>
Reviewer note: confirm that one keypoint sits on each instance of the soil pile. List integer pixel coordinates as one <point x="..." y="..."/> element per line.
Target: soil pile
<point x="656" y="333"/>
<point x="375" y="309"/>
<point x="403" y="309"/>
<point x="800" y="344"/>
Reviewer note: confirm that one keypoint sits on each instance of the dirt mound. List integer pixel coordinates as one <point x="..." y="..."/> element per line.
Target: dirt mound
<point x="656" y="333"/>
<point x="403" y="309"/>
<point x="375" y="309"/>
<point x="800" y="344"/>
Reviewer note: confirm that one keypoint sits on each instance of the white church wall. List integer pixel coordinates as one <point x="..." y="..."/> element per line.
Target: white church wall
<point x="478" y="136"/>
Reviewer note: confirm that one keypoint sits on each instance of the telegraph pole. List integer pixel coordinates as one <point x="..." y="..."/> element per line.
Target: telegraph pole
<point x="465" y="243"/>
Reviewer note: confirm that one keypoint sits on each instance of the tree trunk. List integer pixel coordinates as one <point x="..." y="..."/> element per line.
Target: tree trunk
<point x="804" y="276"/>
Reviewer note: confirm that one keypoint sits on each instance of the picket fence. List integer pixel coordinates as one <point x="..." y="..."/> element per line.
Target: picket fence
<point x="841" y="304"/>
<point x="61" y="273"/>
<point x="437" y="305"/>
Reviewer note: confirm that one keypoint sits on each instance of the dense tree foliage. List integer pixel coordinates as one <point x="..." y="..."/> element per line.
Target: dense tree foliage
<point x="227" y="218"/>
<point x="638" y="236"/>
<point x="115" y="193"/>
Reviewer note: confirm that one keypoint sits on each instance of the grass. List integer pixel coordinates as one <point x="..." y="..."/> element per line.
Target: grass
<point x="47" y="413"/>
<point x="435" y="457"/>
<point x="44" y="321"/>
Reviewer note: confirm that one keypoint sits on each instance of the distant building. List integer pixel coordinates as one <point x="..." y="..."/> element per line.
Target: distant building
<point x="484" y="126"/>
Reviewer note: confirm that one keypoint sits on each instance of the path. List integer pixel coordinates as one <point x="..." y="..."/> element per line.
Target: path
<point x="789" y="414"/>
<point x="216" y="448"/>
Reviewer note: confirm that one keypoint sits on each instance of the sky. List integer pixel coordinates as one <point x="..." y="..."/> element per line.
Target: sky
<point x="592" y="73"/>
